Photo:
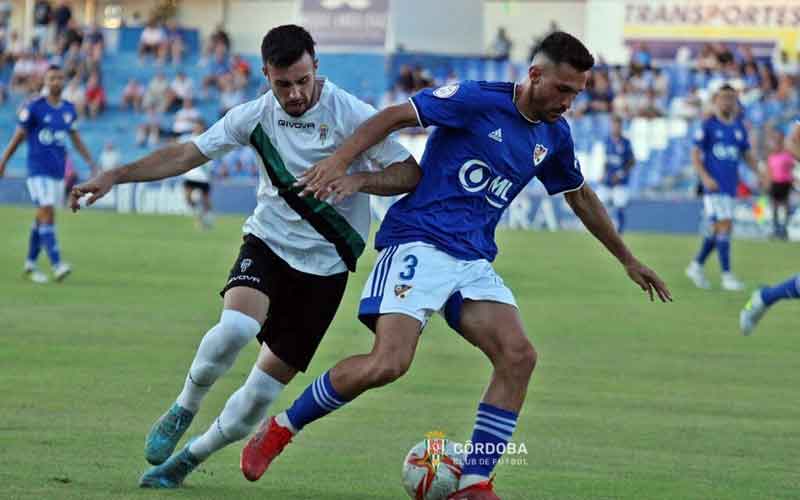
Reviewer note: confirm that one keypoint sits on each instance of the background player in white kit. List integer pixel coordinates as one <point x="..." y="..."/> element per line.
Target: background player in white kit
<point x="197" y="184"/>
<point x="293" y="247"/>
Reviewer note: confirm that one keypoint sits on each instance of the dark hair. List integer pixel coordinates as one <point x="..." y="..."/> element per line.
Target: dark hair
<point x="284" y="45"/>
<point x="726" y="87"/>
<point x="54" y="67"/>
<point x="617" y="119"/>
<point x="561" y="47"/>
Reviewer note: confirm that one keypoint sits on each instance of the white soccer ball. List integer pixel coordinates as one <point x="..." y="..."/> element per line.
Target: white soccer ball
<point x="423" y="478"/>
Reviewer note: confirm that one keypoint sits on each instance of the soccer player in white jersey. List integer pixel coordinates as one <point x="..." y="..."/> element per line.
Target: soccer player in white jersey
<point x="292" y="269"/>
<point x="197" y="184"/>
<point x="764" y="298"/>
<point x="436" y="245"/>
<point x="46" y="122"/>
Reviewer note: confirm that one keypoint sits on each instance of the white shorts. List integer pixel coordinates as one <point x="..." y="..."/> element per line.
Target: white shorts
<point x="718" y="207"/>
<point x="417" y="279"/>
<point x="46" y="191"/>
<point x="613" y="196"/>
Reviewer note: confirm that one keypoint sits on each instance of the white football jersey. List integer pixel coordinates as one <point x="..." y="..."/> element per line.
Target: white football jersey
<point x="201" y="173"/>
<point x="312" y="236"/>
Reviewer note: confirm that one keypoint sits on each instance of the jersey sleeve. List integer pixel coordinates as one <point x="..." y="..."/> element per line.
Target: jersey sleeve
<point x="231" y="131"/>
<point x="452" y="106"/>
<point x="700" y="138"/>
<point x="562" y="173"/>
<point x="384" y="153"/>
<point x="25" y="117"/>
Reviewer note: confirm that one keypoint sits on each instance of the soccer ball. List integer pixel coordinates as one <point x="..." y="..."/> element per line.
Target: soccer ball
<point x="431" y="470"/>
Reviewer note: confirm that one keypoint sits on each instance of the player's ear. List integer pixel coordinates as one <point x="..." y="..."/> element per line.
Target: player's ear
<point x="265" y="72"/>
<point x="535" y="73"/>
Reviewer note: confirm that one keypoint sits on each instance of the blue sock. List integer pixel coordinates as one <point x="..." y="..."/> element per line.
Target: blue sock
<point x="620" y="221"/>
<point x="493" y="429"/>
<point x="47" y="236"/>
<point x="789" y="289"/>
<point x="706" y="248"/>
<point x="34" y="243"/>
<point x="724" y="252"/>
<point x="319" y="399"/>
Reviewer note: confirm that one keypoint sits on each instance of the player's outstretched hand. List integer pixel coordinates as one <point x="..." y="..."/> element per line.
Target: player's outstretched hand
<point x="317" y="179"/>
<point x="97" y="187"/>
<point x="648" y="280"/>
<point x="345" y="186"/>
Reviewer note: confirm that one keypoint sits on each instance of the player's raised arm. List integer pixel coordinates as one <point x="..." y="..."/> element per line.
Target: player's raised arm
<point x="13" y="144"/>
<point x="590" y="211"/>
<point x="371" y="132"/>
<point x="165" y="162"/>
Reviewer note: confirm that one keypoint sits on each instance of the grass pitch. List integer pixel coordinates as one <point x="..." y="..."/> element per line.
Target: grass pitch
<point x="630" y="400"/>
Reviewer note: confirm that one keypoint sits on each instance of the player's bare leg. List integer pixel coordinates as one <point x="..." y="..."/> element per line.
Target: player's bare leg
<point x="245" y="310"/>
<point x="496" y="329"/>
<point x="395" y="343"/>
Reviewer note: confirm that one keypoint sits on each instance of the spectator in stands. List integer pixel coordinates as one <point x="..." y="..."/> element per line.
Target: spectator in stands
<point x="219" y="38"/>
<point x="71" y="34"/>
<point x="653" y="106"/>
<point x="422" y="78"/>
<point x="153" y="42"/>
<point x="181" y="88"/>
<point x="156" y="94"/>
<point x="42" y="13"/>
<point x="783" y="65"/>
<point x="641" y="59"/>
<point x="40" y="67"/>
<point x="73" y="62"/>
<point x="5" y="14"/>
<point x="22" y="73"/>
<point x="174" y="41"/>
<point x="627" y="103"/>
<point x="95" y="95"/>
<point x="61" y="16"/>
<point x="240" y="71"/>
<point x="95" y="40"/>
<point x="229" y="95"/>
<point x="218" y="67"/>
<point x="688" y="106"/>
<point x="15" y="47"/>
<point x="76" y="94"/>
<point x="500" y="49"/>
<point x="149" y="131"/>
<point x="600" y="96"/>
<point x="132" y="95"/>
<point x="183" y="123"/>
<point x="405" y="79"/>
<point x="185" y="118"/>
<point x="109" y="157"/>
<point x="661" y="83"/>
<point x="780" y="163"/>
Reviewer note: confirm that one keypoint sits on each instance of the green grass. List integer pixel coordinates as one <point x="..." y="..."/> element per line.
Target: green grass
<point x="630" y="400"/>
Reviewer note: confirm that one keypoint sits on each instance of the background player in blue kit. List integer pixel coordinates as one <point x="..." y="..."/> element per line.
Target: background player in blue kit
<point x="436" y="244"/>
<point x="46" y="122"/>
<point x="720" y="145"/>
<point x="613" y="191"/>
<point x="763" y="298"/>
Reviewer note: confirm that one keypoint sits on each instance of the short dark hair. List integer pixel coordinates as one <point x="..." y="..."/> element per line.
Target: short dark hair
<point x="285" y="45"/>
<point x="726" y="87"/>
<point x="561" y="47"/>
<point x="53" y="67"/>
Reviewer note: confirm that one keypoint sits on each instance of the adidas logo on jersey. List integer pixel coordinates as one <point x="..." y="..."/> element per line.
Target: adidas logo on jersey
<point x="497" y="135"/>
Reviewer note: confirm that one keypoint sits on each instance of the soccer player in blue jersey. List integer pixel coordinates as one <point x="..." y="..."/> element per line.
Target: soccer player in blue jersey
<point x="436" y="244"/>
<point x="613" y="191"/>
<point x="763" y="298"/>
<point x="46" y="123"/>
<point x="719" y="146"/>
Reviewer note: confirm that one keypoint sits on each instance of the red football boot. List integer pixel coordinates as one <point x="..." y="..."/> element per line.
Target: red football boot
<point x="263" y="447"/>
<point x="478" y="491"/>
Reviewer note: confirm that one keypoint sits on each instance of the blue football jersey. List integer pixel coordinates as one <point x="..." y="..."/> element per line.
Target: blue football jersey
<point x="481" y="154"/>
<point x="618" y="154"/>
<point x="47" y="129"/>
<point x="723" y="145"/>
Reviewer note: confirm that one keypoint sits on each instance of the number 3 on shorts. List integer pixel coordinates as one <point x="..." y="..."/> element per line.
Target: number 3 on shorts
<point x="411" y="267"/>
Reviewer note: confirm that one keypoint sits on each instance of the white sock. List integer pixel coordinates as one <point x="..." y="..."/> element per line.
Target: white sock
<point x="216" y="354"/>
<point x="283" y="421"/>
<point x="468" y="480"/>
<point x="243" y="411"/>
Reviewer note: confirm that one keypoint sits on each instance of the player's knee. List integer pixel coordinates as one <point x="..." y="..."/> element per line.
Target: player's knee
<point x="519" y="358"/>
<point x="238" y="328"/>
<point x="386" y="369"/>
